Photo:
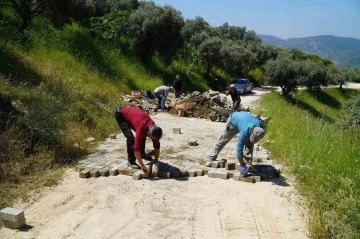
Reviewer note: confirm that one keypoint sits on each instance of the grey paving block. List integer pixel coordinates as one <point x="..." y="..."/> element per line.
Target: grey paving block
<point x="184" y="173"/>
<point x="14" y="225"/>
<point x="114" y="170"/>
<point x="222" y="163"/>
<point x="211" y="173"/>
<point x="176" y="130"/>
<point x="230" y="165"/>
<point x="206" y="170"/>
<point x="104" y="172"/>
<point x="236" y="176"/>
<point x="250" y="179"/>
<point x="94" y="173"/>
<point x="85" y="173"/>
<point x="192" y="172"/>
<point x="199" y="172"/>
<point x="220" y="173"/>
<point x="126" y="171"/>
<point x="137" y="175"/>
<point x="231" y="173"/>
<point x="215" y="164"/>
<point x="15" y="217"/>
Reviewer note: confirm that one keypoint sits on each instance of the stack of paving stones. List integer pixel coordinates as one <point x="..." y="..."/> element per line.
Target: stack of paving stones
<point x="223" y="169"/>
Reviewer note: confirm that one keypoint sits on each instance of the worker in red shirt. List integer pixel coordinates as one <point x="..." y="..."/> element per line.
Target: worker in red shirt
<point x="133" y="118"/>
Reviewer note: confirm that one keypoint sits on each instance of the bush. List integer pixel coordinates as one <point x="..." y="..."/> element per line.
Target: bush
<point x="352" y="112"/>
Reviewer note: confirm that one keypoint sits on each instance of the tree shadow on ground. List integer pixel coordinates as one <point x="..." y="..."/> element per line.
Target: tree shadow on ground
<point x="15" y="68"/>
<point x="85" y="49"/>
<point x="305" y="106"/>
<point x="325" y="98"/>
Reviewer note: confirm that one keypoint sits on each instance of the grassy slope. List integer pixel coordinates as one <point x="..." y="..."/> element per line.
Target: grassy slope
<point x="67" y="82"/>
<point x="304" y="135"/>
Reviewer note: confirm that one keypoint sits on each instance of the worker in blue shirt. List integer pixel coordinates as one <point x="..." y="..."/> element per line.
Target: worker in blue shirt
<point x="251" y="131"/>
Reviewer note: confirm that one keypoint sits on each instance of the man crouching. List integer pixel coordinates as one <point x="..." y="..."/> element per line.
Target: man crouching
<point x="133" y="118"/>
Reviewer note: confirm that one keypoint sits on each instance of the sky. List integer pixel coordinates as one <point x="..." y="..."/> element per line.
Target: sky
<point x="281" y="18"/>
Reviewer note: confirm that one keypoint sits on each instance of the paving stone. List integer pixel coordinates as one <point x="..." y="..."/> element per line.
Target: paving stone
<point x="186" y="162"/>
<point x="230" y="165"/>
<point x="104" y="171"/>
<point x="94" y="173"/>
<point x="12" y="217"/>
<point x="230" y="173"/>
<point x="188" y="167"/>
<point x="236" y="176"/>
<point x="222" y="163"/>
<point x="220" y="173"/>
<point x="192" y="172"/>
<point x="211" y="173"/>
<point x="248" y="179"/>
<point x="257" y="178"/>
<point x="215" y="164"/>
<point x="85" y="173"/>
<point x="114" y="170"/>
<point x="137" y="175"/>
<point x="125" y="171"/>
<point x="206" y="170"/>
<point x="199" y="172"/>
<point x="177" y="130"/>
<point x="237" y="166"/>
<point x="184" y="173"/>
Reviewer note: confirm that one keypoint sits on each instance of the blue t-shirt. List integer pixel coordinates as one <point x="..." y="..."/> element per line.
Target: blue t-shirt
<point x="243" y="122"/>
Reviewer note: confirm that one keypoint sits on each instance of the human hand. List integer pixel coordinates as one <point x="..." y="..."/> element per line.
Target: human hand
<point x="146" y="171"/>
<point x="243" y="170"/>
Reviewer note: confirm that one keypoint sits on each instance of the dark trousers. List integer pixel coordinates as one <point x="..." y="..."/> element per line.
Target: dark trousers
<point x="177" y="94"/>
<point x="130" y="139"/>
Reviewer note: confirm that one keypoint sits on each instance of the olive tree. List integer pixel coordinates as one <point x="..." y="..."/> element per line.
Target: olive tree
<point x="283" y="72"/>
<point x="209" y="51"/>
<point x="156" y="29"/>
<point x="313" y="75"/>
<point x="194" y="27"/>
<point x="237" y="59"/>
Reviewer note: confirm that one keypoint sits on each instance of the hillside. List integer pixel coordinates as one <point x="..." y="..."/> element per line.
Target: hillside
<point x="343" y="51"/>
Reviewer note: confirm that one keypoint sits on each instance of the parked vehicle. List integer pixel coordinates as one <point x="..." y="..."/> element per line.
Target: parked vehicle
<point x="241" y="85"/>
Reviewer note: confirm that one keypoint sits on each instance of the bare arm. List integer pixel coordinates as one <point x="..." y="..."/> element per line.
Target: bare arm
<point x="157" y="154"/>
<point x="139" y="159"/>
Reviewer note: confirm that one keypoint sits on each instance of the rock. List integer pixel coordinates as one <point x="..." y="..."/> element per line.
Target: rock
<point x="112" y="136"/>
<point x="90" y="139"/>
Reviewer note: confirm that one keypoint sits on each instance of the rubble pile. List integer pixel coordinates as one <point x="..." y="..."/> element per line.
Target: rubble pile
<point x="193" y="104"/>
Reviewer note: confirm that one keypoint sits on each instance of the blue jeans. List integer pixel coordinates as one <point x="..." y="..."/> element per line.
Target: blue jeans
<point x="161" y="100"/>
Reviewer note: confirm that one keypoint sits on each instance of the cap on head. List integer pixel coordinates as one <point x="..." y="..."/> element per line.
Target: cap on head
<point x="232" y="86"/>
<point x="155" y="131"/>
<point x="257" y="134"/>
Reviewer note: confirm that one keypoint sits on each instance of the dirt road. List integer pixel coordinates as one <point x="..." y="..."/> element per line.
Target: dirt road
<point x="199" y="207"/>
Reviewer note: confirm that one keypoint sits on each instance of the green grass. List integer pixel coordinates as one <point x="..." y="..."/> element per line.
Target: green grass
<point x="303" y="134"/>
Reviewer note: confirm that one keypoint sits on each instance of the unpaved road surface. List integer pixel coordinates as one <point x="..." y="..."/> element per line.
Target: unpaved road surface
<point x="196" y="207"/>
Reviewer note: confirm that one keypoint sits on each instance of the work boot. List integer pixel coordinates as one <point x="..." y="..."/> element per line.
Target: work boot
<point x="146" y="156"/>
<point x="133" y="165"/>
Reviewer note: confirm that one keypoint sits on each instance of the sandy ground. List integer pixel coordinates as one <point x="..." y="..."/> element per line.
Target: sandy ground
<point x="199" y="207"/>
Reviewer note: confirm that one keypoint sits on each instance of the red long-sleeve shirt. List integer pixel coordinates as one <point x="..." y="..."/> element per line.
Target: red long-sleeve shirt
<point x="139" y="121"/>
